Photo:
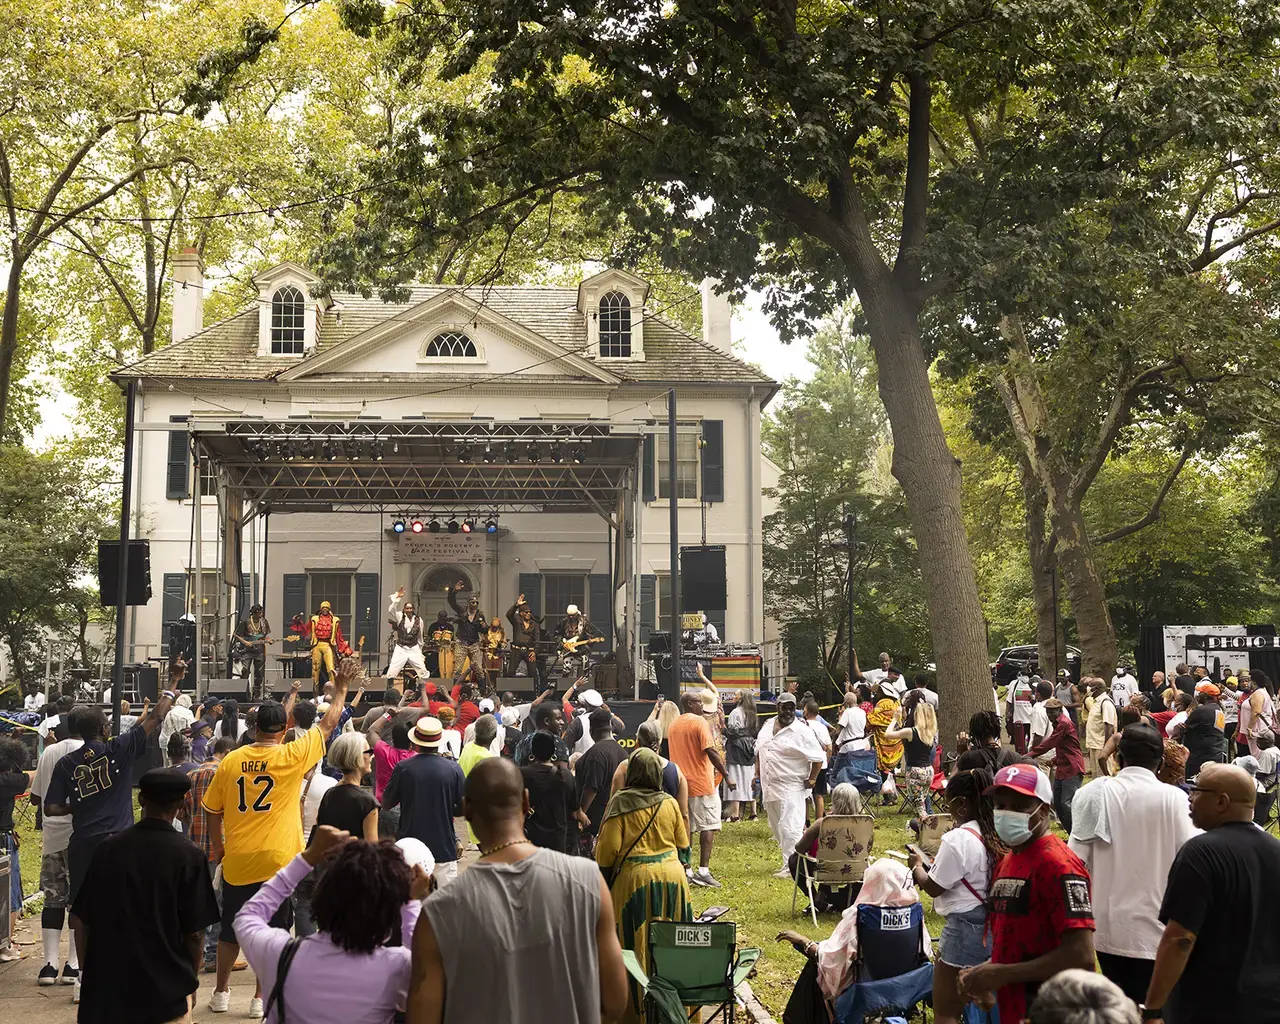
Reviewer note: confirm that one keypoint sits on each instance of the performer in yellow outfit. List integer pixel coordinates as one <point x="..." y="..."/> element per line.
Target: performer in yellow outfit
<point x="326" y="638"/>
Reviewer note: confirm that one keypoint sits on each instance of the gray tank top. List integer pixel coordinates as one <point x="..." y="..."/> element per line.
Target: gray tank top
<point x="519" y="941"/>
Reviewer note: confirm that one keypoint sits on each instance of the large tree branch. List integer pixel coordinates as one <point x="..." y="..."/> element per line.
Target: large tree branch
<point x="1117" y="415"/>
<point x="915" y="198"/>
<point x="63" y="219"/>
<point x="88" y="249"/>
<point x="1208" y="256"/>
<point x="1153" y="513"/>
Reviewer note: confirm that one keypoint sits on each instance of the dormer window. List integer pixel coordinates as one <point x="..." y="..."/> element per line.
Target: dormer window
<point x="450" y="345"/>
<point x="615" y="326"/>
<point x="288" y="321"/>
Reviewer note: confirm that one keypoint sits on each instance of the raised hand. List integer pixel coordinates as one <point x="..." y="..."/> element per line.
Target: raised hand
<point x="348" y="672"/>
<point x="420" y="887"/>
<point x="177" y="670"/>
<point x="325" y="842"/>
<point x="400" y="592"/>
<point x="520" y="600"/>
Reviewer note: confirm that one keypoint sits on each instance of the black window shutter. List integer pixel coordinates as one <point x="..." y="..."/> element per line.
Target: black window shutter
<point x="531" y="587"/>
<point x="646" y="470"/>
<point x="713" y="460"/>
<point x="179" y="462"/>
<point x="368" y="614"/>
<point x="295" y="603"/>
<point x="648" y="606"/>
<point x="173" y="603"/>
<point x="244" y="597"/>
<point x="599" y="607"/>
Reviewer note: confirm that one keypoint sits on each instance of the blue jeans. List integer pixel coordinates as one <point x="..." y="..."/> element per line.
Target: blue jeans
<point x="1064" y="791"/>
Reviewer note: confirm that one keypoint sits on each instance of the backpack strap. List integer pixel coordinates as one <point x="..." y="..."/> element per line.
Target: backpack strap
<point x="276" y="998"/>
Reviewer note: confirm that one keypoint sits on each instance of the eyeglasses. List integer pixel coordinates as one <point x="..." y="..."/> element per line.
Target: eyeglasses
<point x="1202" y="789"/>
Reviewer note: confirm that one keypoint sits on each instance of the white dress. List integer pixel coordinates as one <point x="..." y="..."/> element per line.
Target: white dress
<point x="737" y="784"/>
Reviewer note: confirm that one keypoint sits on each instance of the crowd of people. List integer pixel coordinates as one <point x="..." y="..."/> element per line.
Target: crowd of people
<point x="316" y="841"/>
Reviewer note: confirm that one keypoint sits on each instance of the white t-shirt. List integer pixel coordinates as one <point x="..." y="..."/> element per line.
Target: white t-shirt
<point x="823" y="735"/>
<point x="1174" y="722"/>
<point x="786" y="757"/>
<point x="925" y="694"/>
<point x="1122" y="688"/>
<point x="1039" y="722"/>
<point x="48" y="725"/>
<point x="320" y="785"/>
<point x="853" y="730"/>
<point x="1268" y="760"/>
<point x="1019" y="700"/>
<point x="452" y="742"/>
<point x="57" y="828"/>
<point x="175" y="721"/>
<point x="240" y="727"/>
<point x="1149" y="821"/>
<point x="33" y="701"/>
<point x="962" y="857"/>
<point x="495" y="748"/>
<point x="876" y="675"/>
<point x="515" y="715"/>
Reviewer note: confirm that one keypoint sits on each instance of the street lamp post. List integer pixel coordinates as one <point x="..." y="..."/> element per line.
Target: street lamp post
<point x="850" y="527"/>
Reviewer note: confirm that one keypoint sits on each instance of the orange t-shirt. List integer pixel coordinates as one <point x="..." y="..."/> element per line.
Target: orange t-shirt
<point x="687" y="741"/>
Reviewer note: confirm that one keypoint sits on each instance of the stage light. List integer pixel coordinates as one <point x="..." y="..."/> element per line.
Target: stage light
<point x="307" y="449"/>
<point x="464" y="452"/>
<point x="289" y="451"/>
<point x="468" y="525"/>
<point x="557" y="453"/>
<point x="328" y="451"/>
<point x="535" y="453"/>
<point x="379" y="450"/>
<point x="510" y="452"/>
<point x="488" y="453"/>
<point x="579" y="453"/>
<point x="260" y="451"/>
<point x="353" y="451"/>
<point x="398" y="526"/>
<point x="453" y="526"/>
<point x="416" y="526"/>
<point x="434" y="526"/>
<point x="490" y="526"/>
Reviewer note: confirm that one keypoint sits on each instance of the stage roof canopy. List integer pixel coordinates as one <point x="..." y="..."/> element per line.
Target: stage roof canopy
<point x="414" y="466"/>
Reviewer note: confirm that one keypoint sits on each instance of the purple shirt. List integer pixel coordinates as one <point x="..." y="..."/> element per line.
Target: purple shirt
<point x="318" y="989"/>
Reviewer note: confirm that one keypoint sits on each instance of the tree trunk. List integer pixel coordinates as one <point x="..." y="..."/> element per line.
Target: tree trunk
<point x="9" y="339"/>
<point x="1029" y="416"/>
<point x="930" y="478"/>
<point x="1049" y="638"/>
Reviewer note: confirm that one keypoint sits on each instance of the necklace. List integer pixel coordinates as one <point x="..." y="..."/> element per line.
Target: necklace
<point x="503" y="846"/>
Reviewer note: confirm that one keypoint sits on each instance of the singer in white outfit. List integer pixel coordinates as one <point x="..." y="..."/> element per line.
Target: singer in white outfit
<point x="788" y="759"/>
<point x="408" y="628"/>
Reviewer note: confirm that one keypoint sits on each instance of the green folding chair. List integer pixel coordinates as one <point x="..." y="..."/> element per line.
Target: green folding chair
<point x="690" y="965"/>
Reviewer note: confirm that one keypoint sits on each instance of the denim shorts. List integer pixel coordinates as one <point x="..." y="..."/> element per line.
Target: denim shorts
<point x="962" y="944"/>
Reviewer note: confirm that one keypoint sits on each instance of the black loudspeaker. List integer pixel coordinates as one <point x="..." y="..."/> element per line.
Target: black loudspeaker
<point x="138" y="585"/>
<point x="667" y="680"/>
<point x="148" y="682"/>
<point x="182" y="640"/>
<point x="659" y="642"/>
<point x="703" y="579"/>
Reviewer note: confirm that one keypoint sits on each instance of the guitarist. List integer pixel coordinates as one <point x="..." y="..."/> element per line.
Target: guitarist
<point x="249" y="650"/>
<point x="574" y="655"/>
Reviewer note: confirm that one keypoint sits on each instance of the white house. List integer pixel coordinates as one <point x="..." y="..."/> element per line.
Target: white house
<point x="550" y="400"/>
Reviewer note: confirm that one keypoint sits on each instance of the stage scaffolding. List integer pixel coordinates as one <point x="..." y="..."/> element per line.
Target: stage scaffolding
<point x="267" y="467"/>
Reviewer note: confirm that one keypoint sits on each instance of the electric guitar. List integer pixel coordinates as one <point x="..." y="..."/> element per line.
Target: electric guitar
<point x="572" y="645"/>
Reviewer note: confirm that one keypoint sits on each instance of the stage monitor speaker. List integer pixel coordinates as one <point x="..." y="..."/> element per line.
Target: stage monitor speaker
<point x="703" y="580"/>
<point x="138" y="585"/>
<point x="148" y="681"/>
<point x="659" y="642"/>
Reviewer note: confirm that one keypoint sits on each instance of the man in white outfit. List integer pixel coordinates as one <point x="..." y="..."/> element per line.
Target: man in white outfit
<point x="788" y="760"/>
<point x="408" y="628"/>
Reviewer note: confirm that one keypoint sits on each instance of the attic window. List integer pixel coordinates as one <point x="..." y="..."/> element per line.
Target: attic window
<point x="288" y="317"/>
<point x="615" y="326"/>
<point x="450" y="345"/>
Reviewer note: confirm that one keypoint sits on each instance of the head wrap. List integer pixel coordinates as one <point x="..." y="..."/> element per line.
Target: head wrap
<point x="643" y="788"/>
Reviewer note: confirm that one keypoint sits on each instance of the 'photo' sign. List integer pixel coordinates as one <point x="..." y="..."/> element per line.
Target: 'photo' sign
<point x="455" y="548"/>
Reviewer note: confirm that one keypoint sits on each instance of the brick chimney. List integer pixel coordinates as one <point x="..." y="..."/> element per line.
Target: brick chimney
<point x="716" y="317"/>
<point x="188" y="294"/>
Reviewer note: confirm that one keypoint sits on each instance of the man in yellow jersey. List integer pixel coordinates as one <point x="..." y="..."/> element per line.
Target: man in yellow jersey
<point x="253" y="805"/>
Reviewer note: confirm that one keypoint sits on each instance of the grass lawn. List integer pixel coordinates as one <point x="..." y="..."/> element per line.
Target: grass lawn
<point x="744" y="858"/>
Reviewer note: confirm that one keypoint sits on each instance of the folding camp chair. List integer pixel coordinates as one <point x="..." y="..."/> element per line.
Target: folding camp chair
<point x="844" y="847"/>
<point x="693" y="965"/>
<point x="859" y="769"/>
<point x="932" y="827"/>
<point x="892" y="972"/>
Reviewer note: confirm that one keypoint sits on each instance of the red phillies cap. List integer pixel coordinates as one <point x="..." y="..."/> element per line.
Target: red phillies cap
<point x="1023" y="778"/>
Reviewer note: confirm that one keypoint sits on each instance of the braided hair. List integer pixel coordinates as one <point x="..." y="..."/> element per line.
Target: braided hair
<point x="971" y="786"/>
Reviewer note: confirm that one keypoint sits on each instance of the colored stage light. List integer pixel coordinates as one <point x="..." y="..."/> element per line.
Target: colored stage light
<point x="416" y="527"/>
<point x="398" y="526"/>
<point x="468" y="525"/>
<point x="434" y="526"/>
<point x="490" y="526"/>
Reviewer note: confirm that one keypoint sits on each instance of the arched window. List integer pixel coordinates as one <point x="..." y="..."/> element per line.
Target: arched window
<point x="450" y="345"/>
<point x="615" y="326"/>
<point x="288" y="316"/>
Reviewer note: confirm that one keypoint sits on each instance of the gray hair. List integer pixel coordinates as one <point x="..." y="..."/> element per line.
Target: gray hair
<point x="845" y="799"/>
<point x="486" y="730"/>
<point x="1082" y="997"/>
<point x="649" y="734"/>
<point x="345" y="751"/>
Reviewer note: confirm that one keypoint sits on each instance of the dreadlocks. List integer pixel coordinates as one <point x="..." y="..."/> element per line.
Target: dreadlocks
<point x="970" y="787"/>
<point x="984" y="728"/>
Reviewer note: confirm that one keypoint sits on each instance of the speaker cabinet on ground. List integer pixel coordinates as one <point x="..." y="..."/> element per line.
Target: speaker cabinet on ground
<point x="703" y="579"/>
<point x="138" y="585"/>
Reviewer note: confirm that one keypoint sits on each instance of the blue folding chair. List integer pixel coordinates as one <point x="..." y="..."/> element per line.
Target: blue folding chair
<point x="893" y="972"/>
<point x="859" y="769"/>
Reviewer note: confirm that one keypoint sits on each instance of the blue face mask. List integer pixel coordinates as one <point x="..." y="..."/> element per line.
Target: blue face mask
<point x="1013" y="827"/>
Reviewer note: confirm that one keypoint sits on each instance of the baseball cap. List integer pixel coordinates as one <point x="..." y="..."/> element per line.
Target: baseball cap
<point x="786" y="698"/>
<point x="272" y="717"/>
<point x="1209" y="688"/>
<point x="486" y="705"/>
<point x="1026" y="779"/>
<point x="416" y="852"/>
<point x="591" y="698"/>
<point x="427" y="733"/>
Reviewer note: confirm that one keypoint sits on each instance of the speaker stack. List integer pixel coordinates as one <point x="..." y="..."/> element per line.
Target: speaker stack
<point x="137" y="586"/>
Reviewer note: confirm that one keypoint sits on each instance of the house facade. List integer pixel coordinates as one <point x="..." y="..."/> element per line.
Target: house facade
<point x="502" y="356"/>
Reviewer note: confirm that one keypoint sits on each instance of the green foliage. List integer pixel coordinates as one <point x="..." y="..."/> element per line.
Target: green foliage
<point x="825" y="435"/>
<point x="51" y="516"/>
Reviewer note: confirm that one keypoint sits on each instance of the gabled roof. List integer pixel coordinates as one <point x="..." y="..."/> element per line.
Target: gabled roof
<point x="228" y="350"/>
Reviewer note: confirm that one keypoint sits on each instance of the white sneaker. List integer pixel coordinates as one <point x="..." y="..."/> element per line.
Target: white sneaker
<point x="255" y="1008"/>
<point x="782" y="873"/>
<point x="75" y="992"/>
<point x="220" y="1002"/>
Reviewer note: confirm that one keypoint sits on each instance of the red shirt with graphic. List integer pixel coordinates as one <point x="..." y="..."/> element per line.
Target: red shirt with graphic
<point x="1038" y="893"/>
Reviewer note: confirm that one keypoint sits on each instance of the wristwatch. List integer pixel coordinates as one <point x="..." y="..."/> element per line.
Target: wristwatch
<point x="1152" y="1012"/>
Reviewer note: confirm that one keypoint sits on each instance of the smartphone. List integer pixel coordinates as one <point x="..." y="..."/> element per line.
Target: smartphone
<point x="924" y="857"/>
